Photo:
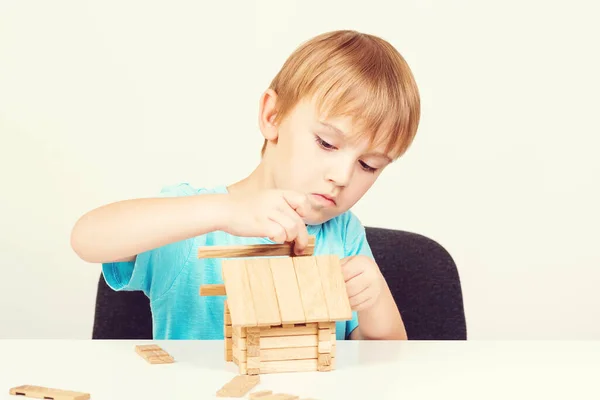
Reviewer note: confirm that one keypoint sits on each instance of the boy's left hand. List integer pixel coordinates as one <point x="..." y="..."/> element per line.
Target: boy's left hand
<point x="364" y="281"/>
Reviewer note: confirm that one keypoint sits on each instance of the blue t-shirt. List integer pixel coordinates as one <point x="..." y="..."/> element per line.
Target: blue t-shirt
<point x="171" y="275"/>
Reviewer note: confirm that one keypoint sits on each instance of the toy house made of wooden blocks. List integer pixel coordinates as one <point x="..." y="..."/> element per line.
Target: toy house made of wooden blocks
<point x="280" y="312"/>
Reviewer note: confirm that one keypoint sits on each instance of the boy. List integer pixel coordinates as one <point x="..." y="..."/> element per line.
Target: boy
<point x="342" y="108"/>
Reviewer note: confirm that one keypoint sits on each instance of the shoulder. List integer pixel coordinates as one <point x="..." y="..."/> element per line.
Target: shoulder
<point x="186" y="189"/>
<point x="349" y="230"/>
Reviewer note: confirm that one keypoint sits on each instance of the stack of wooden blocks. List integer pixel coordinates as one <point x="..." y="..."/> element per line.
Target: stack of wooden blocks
<point x="280" y="312"/>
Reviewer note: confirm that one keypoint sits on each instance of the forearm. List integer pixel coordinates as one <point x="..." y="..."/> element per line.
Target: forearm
<point x="126" y="228"/>
<point x="382" y="320"/>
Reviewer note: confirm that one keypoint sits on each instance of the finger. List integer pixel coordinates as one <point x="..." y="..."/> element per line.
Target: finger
<point x="299" y="203"/>
<point x="356" y="286"/>
<point x="287" y="223"/>
<point x="275" y="232"/>
<point x="351" y="270"/>
<point x="359" y="306"/>
<point x="301" y="240"/>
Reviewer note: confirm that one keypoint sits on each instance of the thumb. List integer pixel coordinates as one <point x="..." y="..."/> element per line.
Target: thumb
<point x="298" y="202"/>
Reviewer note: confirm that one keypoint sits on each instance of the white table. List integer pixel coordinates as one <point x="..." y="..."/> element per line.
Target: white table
<point x="484" y="370"/>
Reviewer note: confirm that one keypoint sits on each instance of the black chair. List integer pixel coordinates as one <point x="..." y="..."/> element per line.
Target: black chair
<point x="421" y="274"/>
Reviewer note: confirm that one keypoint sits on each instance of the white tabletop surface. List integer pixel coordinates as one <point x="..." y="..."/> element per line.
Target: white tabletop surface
<point x="483" y="370"/>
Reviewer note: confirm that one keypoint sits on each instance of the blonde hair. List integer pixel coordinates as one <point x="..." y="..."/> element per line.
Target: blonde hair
<point x="358" y="75"/>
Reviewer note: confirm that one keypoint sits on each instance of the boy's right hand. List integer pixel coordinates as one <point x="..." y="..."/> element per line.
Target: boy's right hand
<point x="276" y="214"/>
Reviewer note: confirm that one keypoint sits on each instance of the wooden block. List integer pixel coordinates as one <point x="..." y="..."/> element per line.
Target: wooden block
<point x="228" y="349"/>
<point x="270" y="367"/>
<point x="263" y="291"/>
<point x="238" y="386"/>
<point x="41" y="392"/>
<point x="327" y="325"/>
<point x="334" y="287"/>
<point x="239" y="331"/>
<point x="279" y="342"/>
<point x="239" y="300"/>
<point x="323" y="367"/>
<point x="255" y="250"/>
<point x="280" y="396"/>
<point x="256" y="395"/>
<point x="324" y="346"/>
<point x="253" y="362"/>
<point x="227" y="319"/>
<point x="324" y="334"/>
<point x="288" y="325"/>
<point x="324" y="359"/>
<point x="213" y="290"/>
<point x="253" y="351"/>
<point x="310" y="329"/>
<point x="311" y="289"/>
<point x="227" y="331"/>
<point x="289" y="353"/>
<point x="154" y="354"/>
<point x="286" y="288"/>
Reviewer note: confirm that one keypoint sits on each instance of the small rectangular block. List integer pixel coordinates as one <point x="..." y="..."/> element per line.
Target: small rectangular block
<point x="253" y="351"/>
<point x="257" y="395"/>
<point x="324" y="334"/>
<point x="154" y="354"/>
<point x="324" y="346"/>
<point x="41" y="392"/>
<point x="238" y="386"/>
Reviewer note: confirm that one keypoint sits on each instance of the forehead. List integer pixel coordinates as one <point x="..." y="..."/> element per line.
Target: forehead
<point x="347" y="128"/>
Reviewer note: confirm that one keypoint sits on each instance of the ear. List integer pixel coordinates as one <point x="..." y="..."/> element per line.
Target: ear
<point x="267" y="113"/>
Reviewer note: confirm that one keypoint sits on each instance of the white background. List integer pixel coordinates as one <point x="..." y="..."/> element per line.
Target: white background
<point x="107" y="100"/>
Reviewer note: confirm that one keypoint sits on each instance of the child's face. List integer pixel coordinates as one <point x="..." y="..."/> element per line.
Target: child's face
<point x="315" y="159"/>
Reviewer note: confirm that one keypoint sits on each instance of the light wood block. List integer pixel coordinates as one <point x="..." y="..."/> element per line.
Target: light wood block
<point x="228" y="349"/>
<point x="288" y="353"/>
<point x="264" y="296"/>
<point x="324" y="334"/>
<point x="41" y="392"/>
<point x="257" y="395"/>
<point x="286" y="288"/>
<point x="324" y="346"/>
<point x="213" y="290"/>
<point x="239" y="301"/>
<point x="279" y="342"/>
<point x="154" y="354"/>
<point x="280" y="396"/>
<point x="334" y="287"/>
<point x="289" y="330"/>
<point x="311" y="289"/>
<point x="255" y="250"/>
<point x="238" y="386"/>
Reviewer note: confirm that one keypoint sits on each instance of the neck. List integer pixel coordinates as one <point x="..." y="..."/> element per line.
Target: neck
<point x="259" y="179"/>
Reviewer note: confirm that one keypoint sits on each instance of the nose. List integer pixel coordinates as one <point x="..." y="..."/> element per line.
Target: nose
<point x="340" y="171"/>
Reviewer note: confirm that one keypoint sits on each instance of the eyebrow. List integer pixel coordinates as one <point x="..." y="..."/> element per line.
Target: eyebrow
<point x="341" y="133"/>
<point x="333" y="128"/>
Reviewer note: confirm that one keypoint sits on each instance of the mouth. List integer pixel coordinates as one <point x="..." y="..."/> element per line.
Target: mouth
<point x="324" y="199"/>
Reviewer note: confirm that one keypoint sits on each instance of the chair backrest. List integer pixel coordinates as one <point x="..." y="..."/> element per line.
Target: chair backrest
<point x="421" y="274"/>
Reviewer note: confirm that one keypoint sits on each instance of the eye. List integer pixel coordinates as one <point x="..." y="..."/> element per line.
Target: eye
<point x="367" y="167"/>
<point x="324" y="144"/>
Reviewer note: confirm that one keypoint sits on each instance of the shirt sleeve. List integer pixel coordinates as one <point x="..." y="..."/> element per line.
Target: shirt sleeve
<point x="154" y="271"/>
<point x="355" y="244"/>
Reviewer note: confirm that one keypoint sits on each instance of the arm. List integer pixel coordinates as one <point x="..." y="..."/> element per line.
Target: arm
<point x="380" y="321"/>
<point x="121" y="230"/>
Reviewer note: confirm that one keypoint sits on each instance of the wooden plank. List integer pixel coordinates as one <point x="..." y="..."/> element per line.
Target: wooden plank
<point x="238" y="386"/>
<point x="255" y="250"/>
<point x="289" y="353"/>
<point x="262" y="287"/>
<point x="270" y="367"/>
<point x="278" y="342"/>
<point x="311" y="290"/>
<point x="154" y="354"/>
<point x="310" y="329"/>
<point x="213" y="290"/>
<point x="41" y="392"/>
<point x="287" y="290"/>
<point x="239" y="298"/>
<point x="334" y="287"/>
